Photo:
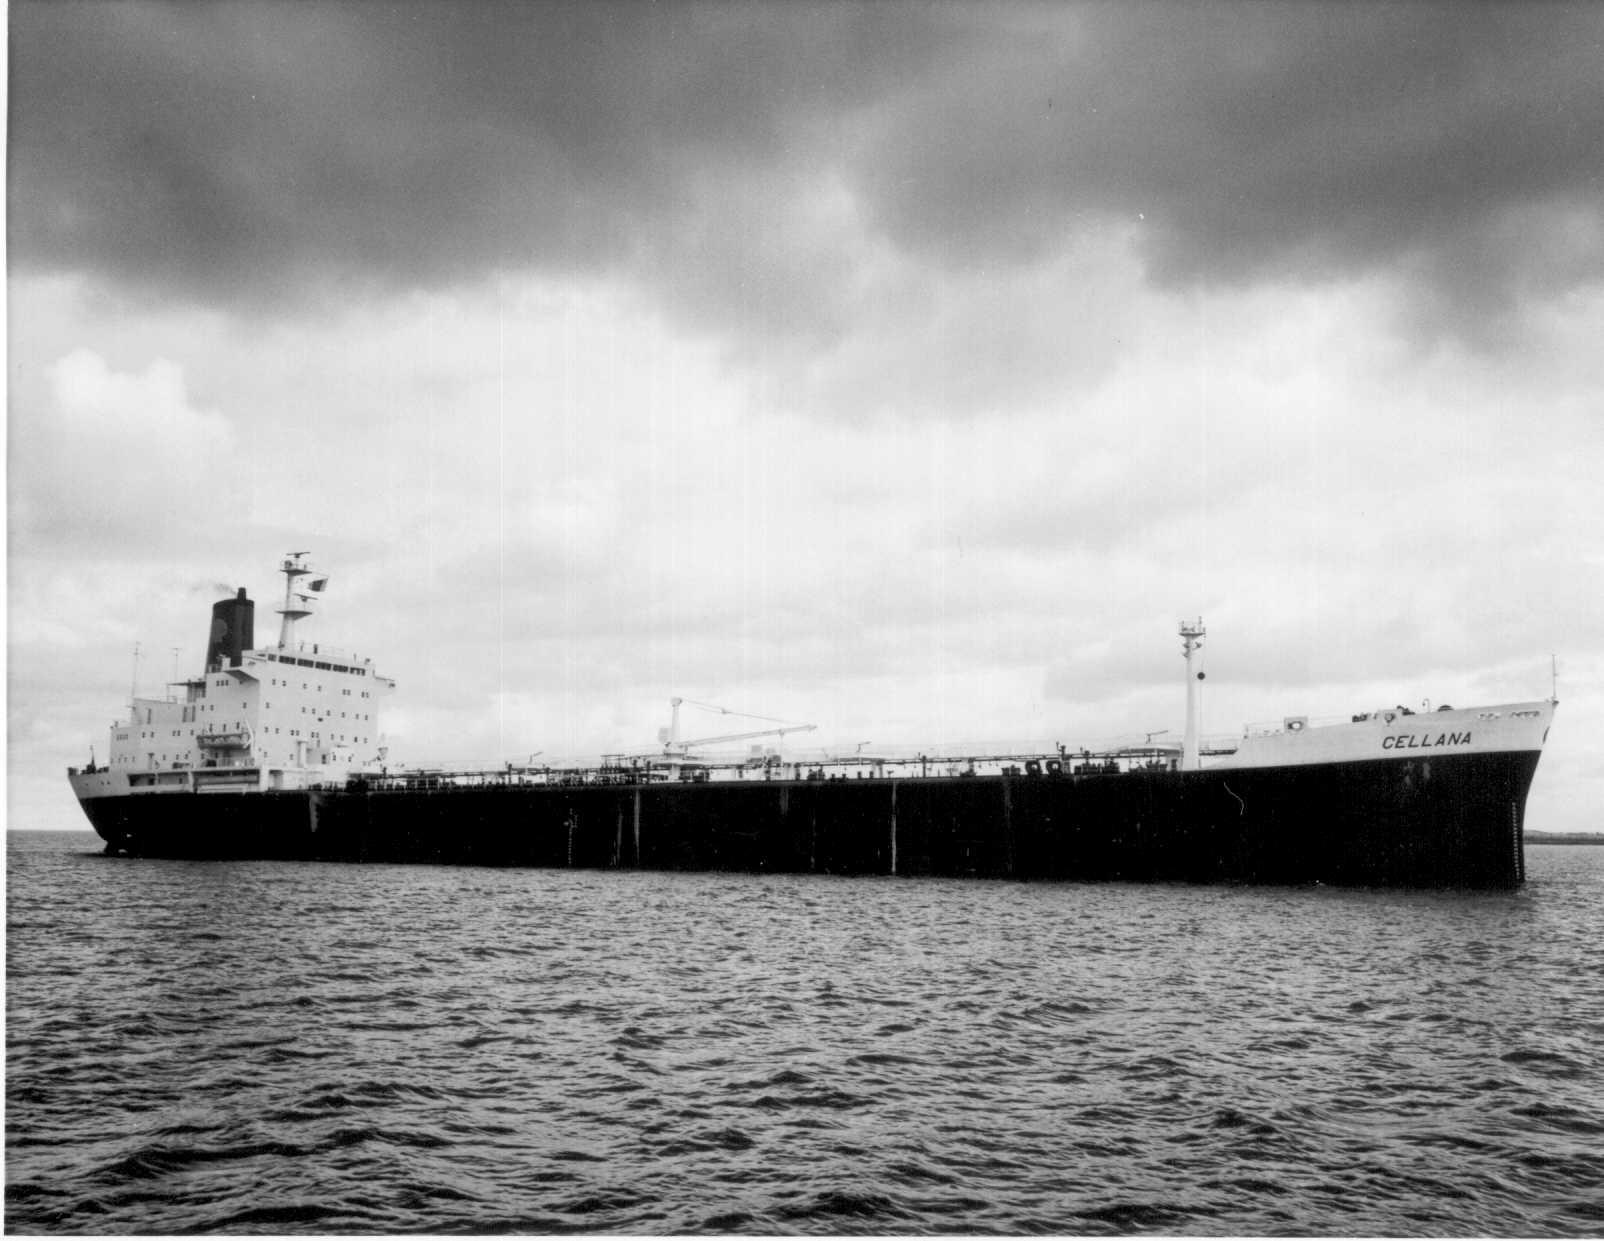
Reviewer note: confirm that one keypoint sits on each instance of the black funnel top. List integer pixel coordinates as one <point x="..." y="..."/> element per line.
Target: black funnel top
<point x="233" y="631"/>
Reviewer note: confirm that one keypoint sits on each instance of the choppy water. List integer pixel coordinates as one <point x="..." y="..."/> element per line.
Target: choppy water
<point x="274" y="1047"/>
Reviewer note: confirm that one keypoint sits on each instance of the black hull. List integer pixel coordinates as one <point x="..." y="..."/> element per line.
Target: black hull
<point x="1452" y="821"/>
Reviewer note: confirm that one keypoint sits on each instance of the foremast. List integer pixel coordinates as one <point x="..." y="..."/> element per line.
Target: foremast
<point x="1192" y="633"/>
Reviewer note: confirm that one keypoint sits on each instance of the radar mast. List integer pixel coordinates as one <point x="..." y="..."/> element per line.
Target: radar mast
<point x="297" y="602"/>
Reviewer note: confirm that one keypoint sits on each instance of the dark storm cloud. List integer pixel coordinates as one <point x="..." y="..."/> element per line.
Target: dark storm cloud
<point x="233" y="151"/>
<point x="244" y="153"/>
<point x="1465" y="143"/>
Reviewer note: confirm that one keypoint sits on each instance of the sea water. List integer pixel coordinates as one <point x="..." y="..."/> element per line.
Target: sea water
<point x="281" y="1047"/>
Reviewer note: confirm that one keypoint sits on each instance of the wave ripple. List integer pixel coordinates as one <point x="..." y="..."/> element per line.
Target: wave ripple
<point x="285" y="1048"/>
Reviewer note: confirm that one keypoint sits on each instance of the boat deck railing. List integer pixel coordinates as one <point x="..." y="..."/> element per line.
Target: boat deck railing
<point x="646" y="772"/>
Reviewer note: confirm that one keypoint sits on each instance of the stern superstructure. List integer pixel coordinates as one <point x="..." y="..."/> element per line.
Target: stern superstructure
<point x="288" y="716"/>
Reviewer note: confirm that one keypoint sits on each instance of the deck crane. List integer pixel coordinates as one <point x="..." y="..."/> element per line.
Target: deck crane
<point x="673" y="747"/>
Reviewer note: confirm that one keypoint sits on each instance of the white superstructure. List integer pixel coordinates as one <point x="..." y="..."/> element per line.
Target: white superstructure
<point x="284" y="716"/>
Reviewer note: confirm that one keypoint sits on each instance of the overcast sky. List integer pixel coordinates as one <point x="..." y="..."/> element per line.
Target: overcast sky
<point x="905" y="369"/>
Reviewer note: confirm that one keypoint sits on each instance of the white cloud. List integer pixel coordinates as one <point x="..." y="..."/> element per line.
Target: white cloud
<point x="547" y="514"/>
<point x="93" y="400"/>
<point x="98" y="453"/>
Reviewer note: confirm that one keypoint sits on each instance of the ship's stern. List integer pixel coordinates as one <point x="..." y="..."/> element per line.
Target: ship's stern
<point x="97" y="790"/>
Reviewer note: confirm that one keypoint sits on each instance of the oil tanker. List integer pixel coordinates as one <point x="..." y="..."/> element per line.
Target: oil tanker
<point x="277" y="752"/>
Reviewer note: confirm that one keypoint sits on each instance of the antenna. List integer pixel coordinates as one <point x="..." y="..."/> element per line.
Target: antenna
<point x="133" y="684"/>
<point x="1553" y="679"/>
